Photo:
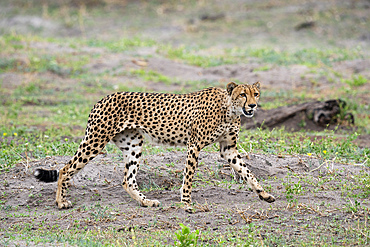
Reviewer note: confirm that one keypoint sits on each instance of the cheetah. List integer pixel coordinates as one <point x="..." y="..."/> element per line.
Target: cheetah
<point x="194" y="120"/>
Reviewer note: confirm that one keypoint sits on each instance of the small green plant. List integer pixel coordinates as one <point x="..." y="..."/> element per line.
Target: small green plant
<point x="170" y="164"/>
<point x="185" y="237"/>
<point x="262" y="68"/>
<point x="7" y="64"/>
<point x="292" y="189"/>
<point x="192" y="56"/>
<point x="353" y="207"/>
<point x="122" y="44"/>
<point x="356" y="81"/>
<point x="100" y="213"/>
<point x="150" y="75"/>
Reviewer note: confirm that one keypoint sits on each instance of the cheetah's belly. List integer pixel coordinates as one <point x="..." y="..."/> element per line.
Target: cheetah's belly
<point x="161" y="138"/>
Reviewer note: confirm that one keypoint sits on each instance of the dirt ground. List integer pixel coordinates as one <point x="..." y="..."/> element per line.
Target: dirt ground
<point x="220" y="202"/>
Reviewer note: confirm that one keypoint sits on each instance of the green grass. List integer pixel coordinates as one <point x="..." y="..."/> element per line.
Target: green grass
<point x="326" y="145"/>
<point x="255" y="234"/>
<point x="152" y="76"/>
<point x="25" y="144"/>
<point x="192" y="56"/>
<point x="35" y="60"/>
<point x="123" y="44"/>
<point x="313" y="57"/>
<point x="356" y="81"/>
<point x="32" y="143"/>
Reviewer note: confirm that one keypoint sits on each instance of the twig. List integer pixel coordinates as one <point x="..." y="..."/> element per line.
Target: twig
<point x="111" y="187"/>
<point x="366" y="213"/>
<point x="319" y="166"/>
<point x="363" y="163"/>
<point x="223" y="173"/>
<point x="255" y="217"/>
<point x="351" y="202"/>
<point x="66" y="215"/>
<point x="203" y="208"/>
<point x="301" y="205"/>
<point x="364" y="234"/>
<point x="316" y="211"/>
<point x="326" y="161"/>
<point x="261" y="240"/>
<point x="330" y="211"/>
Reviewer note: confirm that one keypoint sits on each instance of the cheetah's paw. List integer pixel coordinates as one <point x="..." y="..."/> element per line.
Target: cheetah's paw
<point x="64" y="204"/>
<point x="150" y="203"/>
<point x="266" y="197"/>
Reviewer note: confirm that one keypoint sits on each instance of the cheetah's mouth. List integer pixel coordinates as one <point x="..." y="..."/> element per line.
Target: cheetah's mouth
<point x="248" y="113"/>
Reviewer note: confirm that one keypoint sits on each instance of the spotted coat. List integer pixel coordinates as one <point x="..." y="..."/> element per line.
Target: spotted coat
<point x="194" y="120"/>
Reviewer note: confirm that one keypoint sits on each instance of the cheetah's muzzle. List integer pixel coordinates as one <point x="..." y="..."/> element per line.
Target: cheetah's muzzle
<point x="248" y="113"/>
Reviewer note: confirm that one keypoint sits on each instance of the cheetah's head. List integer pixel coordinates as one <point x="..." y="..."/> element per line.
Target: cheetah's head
<point x="244" y="98"/>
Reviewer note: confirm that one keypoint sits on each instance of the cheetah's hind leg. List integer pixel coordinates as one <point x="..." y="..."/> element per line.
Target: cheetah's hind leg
<point x="130" y="142"/>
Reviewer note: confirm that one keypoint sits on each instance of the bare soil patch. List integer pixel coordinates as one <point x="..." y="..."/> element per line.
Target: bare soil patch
<point x="219" y="201"/>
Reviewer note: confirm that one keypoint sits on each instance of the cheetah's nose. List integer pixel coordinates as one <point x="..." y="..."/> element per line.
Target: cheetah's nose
<point x="252" y="105"/>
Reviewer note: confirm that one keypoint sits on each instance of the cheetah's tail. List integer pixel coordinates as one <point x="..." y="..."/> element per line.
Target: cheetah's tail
<point x="46" y="176"/>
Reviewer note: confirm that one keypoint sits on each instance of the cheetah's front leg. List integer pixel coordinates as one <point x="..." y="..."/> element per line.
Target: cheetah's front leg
<point x="191" y="164"/>
<point x="233" y="157"/>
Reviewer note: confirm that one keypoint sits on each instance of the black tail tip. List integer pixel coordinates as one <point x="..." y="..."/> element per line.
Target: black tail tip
<point x="46" y="176"/>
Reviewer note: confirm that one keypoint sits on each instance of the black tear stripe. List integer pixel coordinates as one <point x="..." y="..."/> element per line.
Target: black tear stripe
<point x="47" y="176"/>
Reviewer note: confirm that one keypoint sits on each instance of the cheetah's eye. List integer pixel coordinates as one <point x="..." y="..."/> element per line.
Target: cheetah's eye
<point x="255" y="94"/>
<point x="243" y="95"/>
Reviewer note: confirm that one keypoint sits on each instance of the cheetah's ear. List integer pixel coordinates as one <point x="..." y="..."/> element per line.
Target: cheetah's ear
<point x="230" y="87"/>
<point x="257" y="85"/>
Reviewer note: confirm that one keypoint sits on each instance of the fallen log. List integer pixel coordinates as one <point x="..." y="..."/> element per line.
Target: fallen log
<point x="315" y="114"/>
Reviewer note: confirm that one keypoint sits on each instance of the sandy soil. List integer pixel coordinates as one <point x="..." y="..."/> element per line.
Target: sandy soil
<point x="219" y="201"/>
